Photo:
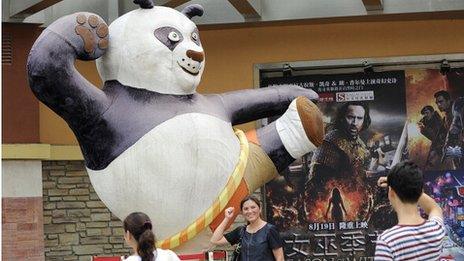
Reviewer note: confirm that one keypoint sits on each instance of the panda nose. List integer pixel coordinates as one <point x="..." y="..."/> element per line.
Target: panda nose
<point x="196" y="56"/>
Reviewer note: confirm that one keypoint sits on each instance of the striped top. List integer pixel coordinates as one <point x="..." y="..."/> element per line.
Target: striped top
<point x="411" y="242"/>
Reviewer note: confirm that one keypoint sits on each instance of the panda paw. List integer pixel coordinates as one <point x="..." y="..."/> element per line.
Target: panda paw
<point x="94" y="34"/>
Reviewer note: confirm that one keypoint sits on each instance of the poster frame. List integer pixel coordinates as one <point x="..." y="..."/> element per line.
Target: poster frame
<point x="352" y="65"/>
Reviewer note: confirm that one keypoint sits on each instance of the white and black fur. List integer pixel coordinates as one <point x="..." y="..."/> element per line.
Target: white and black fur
<point x="109" y="121"/>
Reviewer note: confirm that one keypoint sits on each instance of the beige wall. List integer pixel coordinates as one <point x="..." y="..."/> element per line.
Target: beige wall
<point x="231" y="53"/>
<point x="21" y="178"/>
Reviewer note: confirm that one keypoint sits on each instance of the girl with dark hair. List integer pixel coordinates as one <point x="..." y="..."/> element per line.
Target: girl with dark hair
<point x="139" y="235"/>
<point x="336" y="202"/>
<point x="258" y="239"/>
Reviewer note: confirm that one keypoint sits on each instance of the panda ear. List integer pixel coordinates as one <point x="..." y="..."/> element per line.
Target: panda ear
<point x="193" y="10"/>
<point x="145" y="4"/>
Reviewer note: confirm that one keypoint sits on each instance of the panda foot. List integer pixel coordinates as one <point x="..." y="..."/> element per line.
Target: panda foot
<point x="311" y="119"/>
<point x="93" y="32"/>
<point x="300" y="128"/>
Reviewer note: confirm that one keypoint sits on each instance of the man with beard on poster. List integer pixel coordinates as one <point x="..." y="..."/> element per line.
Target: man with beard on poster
<point x="342" y="149"/>
<point x="344" y="158"/>
<point x="433" y="128"/>
<point x="444" y="104"/>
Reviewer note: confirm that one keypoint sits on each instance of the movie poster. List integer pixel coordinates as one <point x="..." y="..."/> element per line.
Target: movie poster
<point x="435" y="141"/>
<point x="326" y="204"/>
<point x="430" y="97"/>
<point x="447" y="188"/>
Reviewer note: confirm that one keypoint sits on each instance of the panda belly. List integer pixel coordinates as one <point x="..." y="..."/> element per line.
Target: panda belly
<point x="173" y="173"/>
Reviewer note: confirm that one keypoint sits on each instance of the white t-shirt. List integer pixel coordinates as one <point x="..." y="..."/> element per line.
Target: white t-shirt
<point x="161" y="255"/>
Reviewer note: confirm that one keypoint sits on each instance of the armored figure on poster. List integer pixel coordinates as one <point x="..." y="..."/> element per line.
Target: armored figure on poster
<point x="342" y="151"/>
<point x="433" y="128"/>
<point x="344" y="158"/>
<point x="452" y="120"/>
<point x="454" y="139"/>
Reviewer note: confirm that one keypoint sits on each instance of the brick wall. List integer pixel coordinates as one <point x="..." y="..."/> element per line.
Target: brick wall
<point x="22" y="229"/>
<point x="22" y="210"/>
<point x="77" y="225"/>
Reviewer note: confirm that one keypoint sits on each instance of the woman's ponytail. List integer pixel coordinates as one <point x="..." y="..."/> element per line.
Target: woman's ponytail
<point x="146" y="244"/>
<point x="140" y="227"/>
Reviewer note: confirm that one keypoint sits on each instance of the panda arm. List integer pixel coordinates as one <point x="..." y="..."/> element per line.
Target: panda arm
<point x="53" y="77"/>
<point x="253" y="104"/>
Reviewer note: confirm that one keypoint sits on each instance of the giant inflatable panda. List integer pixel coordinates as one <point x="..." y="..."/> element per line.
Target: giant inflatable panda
<point x="150" y="142"/>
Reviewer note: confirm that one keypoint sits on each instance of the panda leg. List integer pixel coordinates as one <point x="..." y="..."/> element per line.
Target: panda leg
<point x="272" y="148"/>
<point x="297" y="132"/>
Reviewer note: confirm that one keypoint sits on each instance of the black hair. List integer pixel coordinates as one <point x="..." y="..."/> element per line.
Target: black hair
<point x="426" y="108"/>
<point x="140" y="227"/>
<point x="336" y="195"/>
<point x="341" y="114"/>
<point x="443" y="94"/>
<point x="406" y="179"/>
<point x="252" y="198"/>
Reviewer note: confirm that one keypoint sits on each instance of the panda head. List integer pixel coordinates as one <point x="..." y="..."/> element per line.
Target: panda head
<point x="155" y="48"/>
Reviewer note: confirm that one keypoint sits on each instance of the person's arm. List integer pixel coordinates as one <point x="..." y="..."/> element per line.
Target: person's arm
<point x="328" y="207"/>
<point x="278" y="254"/>
<point x="326" y="160"/>
<point x="430" y="207"/>
<point x="276" y="243"/>
<point x="218" y="238"/>
<point x="382" y="251"/>
<point x="425" y="130"/>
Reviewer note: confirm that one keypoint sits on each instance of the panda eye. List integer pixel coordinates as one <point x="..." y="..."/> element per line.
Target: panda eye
<point x="169" y="36"/>
<point x="173" y="36"/>
<point x="195" y="36"/>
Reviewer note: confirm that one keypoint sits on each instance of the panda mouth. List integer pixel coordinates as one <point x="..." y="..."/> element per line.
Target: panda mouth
<point x="187" y="71"/>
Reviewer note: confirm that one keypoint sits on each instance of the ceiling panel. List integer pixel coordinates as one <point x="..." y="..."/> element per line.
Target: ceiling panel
<point x="223" y="12"/>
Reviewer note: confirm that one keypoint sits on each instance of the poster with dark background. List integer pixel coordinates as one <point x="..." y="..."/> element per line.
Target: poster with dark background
<point x="427" y="134"/>
<point x="428" y="128"/>
<point x="336" y="212"/>
<point x="333" y="208"/>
